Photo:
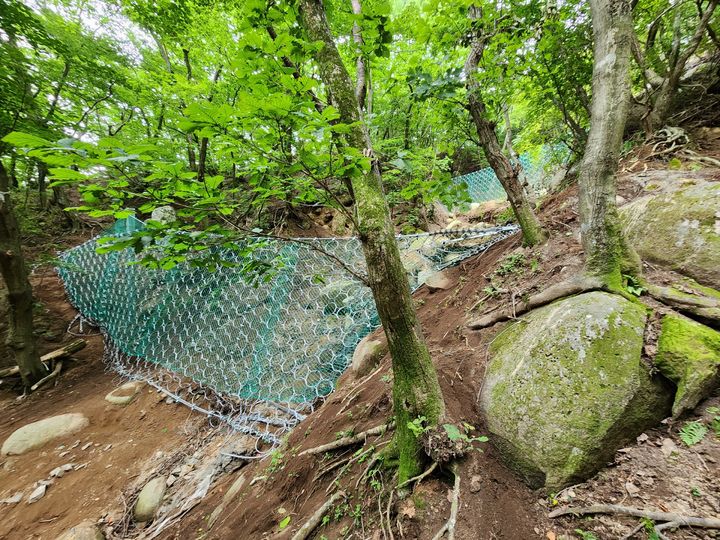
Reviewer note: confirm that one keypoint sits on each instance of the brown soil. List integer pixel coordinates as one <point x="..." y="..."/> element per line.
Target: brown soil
<point x="136" y="434"/>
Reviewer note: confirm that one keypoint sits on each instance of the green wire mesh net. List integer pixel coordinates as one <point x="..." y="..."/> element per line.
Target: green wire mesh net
<point x="256" y="355"/>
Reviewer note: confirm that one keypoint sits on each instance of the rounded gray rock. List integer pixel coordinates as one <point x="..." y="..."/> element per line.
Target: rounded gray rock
<point x="149" y="499"/>
<point x="39" y="433"/>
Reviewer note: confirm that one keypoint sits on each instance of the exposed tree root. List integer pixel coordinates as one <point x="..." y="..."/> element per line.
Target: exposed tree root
<point x="705" y="308"/>
<point x="63" y="352"/>
<point x="311" y="524"/>
<point x="54" y="373"/>
<point x="449" y="526"/>
<point x="420" y="477"/>
<point x="668" y="519"/>
<point x="576" y="285"/>
<point x="347" y="441"/>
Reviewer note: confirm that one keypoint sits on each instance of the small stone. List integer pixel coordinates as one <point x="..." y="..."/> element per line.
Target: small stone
<point x="185" y="470"/>
<point x="475" y="483"/>
<point x="170" y="480"/>
<point x="125" y="394"/>
<point x="68" y="467"/>
<point x="63" y="454"/>
<point x="367" y="355"/>
<point x="169" y="400"/>
<point x="37" y="494"/>
<point x="13" y="499"/>
<point x="642" y="438"/>
<point x="149" y="499"/>
<point x="107" y="447"/>
<point x="86" y="446"/>
<point x="668" y="447"/>
<point x="631" y="488"/>
<point x="57" y="472"/>
<point x="437" y="281"/>
<point x="81" y="466"/>
<point x="75" y="444"/>
<point x="87" y="530"/>
<point x="46" y="483"/>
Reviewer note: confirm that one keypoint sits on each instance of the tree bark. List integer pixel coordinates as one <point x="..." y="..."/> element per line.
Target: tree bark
<point x="360" y="66"/>
<point x="20" y="340"/>
<point x="416" y="389"/>
<point x="507" y="174"/>
<point x="606" y="251"/>
<point x="662" y="105"/>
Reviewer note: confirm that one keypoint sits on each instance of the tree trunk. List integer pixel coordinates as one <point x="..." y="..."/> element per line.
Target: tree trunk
<point x="668" y="89"/>
<point x="508" y="175"/>
<point x="360" y="67"/>
<point x="606" y="252"/>
<point x="416" y="389"/>
<point x="21" y="341"/>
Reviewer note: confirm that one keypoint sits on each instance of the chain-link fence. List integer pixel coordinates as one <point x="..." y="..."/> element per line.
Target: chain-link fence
<point x="483" y="185"/>
<point x="254" y="354"/>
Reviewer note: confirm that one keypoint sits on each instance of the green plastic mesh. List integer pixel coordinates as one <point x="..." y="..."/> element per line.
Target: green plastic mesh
<point x="257" y="356"/>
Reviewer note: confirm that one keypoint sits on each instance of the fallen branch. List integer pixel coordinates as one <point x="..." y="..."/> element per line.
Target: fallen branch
<point x="347" y="441"/>
<point x="55" y="372"/>
<point x="577" y="285"/>
<point x="449" y="526"/>
<point x="15" y="370"/>
<point x="65" y="351"/>
<point x="310" y="525"/>
<point x="677" y="519"/>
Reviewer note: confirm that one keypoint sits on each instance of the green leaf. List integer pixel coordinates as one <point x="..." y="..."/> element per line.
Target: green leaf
<point x="453" y="432"/>
<point x="284" y="523"/>
<point x="25" y="140"/>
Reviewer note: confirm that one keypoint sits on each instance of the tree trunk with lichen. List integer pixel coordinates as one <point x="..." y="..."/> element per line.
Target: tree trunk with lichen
<point x="507" y="173"/>
<point x="607" y="254"/>
<point x="21" y="341"/>
<point x="416" y="389"/>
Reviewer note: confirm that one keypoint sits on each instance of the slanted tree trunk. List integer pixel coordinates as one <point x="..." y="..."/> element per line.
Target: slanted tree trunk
<point x="20" y="340"/>
<point x="509" y="175"/>
<point x="416" y="390"/>
<point x="676" y="68"/>
<point x="606" y="252"/>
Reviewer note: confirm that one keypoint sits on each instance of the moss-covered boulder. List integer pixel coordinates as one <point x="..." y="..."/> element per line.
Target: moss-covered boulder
<point x="679" y="228"/>
<point x="689" y="355"/>
<point x="566" y="387"/>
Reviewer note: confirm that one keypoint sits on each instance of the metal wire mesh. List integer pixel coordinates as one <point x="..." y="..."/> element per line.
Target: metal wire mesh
<point x="254" y="355"/>
<point x="483" y="185"/>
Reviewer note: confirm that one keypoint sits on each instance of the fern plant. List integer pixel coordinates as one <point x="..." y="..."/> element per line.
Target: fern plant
<point x="693" y="432"/>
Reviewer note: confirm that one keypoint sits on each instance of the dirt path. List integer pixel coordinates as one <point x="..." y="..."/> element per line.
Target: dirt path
<point x="119" y="444"/>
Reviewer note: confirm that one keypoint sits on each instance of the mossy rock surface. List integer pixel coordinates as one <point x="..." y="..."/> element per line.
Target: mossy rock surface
<point x="689" y="355"/>
<point x="566" y="387"/>
<point x="679" y="228"/>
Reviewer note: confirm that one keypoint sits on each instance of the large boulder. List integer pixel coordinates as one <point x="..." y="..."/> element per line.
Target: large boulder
<point x="566" y="387"/>
<point x="679" y="228"/>
<point x="38" y="433"/>
<point x="688" y="354"/>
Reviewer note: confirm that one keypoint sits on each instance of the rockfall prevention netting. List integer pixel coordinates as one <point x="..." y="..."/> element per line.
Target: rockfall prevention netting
<point x="254" y="354"/>
<point x="483" y="185"/>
